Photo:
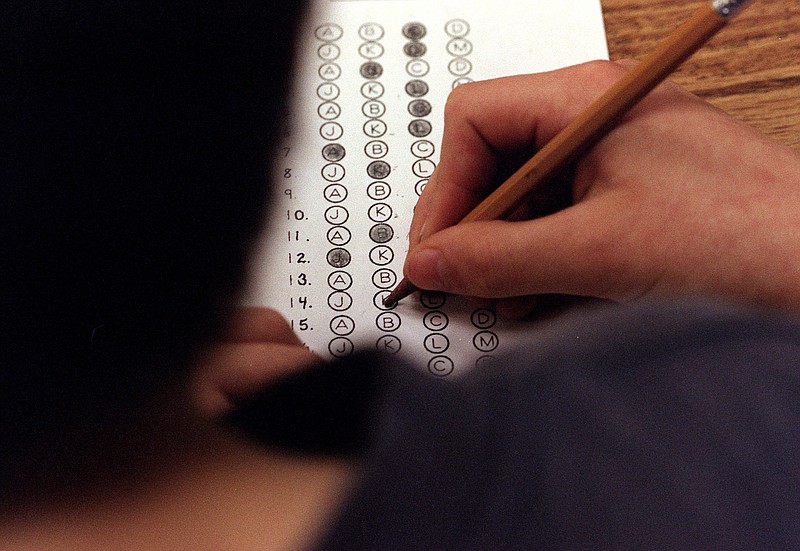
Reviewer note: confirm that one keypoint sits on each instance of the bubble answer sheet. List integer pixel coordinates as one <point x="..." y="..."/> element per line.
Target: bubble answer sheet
<point x="361" y="141"/>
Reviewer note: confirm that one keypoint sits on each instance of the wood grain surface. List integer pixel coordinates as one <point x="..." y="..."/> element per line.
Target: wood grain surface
<point x="751" y="69"/>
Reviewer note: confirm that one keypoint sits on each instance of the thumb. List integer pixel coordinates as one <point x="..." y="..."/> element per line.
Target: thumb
<point x="579" y="251"/>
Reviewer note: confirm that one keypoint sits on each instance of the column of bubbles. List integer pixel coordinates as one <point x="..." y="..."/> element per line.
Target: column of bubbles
<point x="379" y="190"/>
<point x="334" y="191"/>
<point x="418" y="107"/>
<point x="436" y="342"/>
<point x="459" y="47"/>
<point x="422" y="149"/>
<point x="485" y="340"/>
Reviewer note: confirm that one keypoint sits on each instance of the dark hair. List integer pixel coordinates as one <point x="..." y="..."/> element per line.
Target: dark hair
<point x="134" y="176"/>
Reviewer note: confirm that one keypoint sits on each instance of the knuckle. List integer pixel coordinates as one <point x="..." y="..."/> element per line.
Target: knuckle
<point x="602" y="73"/>
<point x="460" y="99"/>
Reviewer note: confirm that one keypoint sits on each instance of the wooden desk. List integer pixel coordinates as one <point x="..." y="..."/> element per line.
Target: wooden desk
<point x="751" y="69"/>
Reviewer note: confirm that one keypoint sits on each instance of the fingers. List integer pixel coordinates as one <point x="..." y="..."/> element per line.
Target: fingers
<point x="251" y="324"/>
<point x="236" y="370"/>
<point x="257" y="348"/>
<point x="576" y="251"/>
<point x="580" y="250"/>
<point x="490" y="121"/>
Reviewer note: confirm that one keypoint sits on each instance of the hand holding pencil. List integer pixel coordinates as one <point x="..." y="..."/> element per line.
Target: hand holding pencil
<point x="677" y="198"/>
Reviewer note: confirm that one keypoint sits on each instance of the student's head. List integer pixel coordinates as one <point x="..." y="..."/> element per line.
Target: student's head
<point x="133" y="177"/>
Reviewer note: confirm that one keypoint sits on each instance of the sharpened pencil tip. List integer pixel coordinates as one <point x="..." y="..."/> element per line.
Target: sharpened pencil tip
<point x="403" y="289"/>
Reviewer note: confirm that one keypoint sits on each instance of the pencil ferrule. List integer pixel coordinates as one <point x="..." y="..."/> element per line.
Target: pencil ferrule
<point x="728" y="8"/>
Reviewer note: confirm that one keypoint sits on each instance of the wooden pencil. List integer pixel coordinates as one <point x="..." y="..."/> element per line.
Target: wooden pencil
<point x="598" y="119"/>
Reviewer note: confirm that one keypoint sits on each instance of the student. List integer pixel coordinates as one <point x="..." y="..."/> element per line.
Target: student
<point x="133" y="186"/>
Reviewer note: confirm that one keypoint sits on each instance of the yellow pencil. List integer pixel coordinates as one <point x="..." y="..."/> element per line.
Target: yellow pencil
<point x="594" y="123"/>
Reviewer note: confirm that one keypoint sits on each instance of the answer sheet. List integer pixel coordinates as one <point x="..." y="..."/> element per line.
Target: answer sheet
<point x="361" y="141"/>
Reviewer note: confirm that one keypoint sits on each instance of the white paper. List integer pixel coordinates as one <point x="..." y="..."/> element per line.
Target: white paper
<point x="339" y="226"/>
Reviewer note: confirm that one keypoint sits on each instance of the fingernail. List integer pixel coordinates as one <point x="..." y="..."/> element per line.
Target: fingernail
<point x="425" y="269"/>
